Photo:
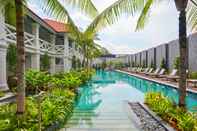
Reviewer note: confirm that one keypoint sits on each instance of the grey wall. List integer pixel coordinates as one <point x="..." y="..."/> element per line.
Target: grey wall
<point x="173" y="52"/>
<point x="143" y="57"/>
<point x="150" y="56"/>
<point x="138" y="58"/>
<point x="160" y="54"/>
<point x="193" y="52"/>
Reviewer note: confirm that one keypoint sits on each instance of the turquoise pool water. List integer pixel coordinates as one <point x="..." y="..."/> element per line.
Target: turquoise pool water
<point x="110" y="87"/>
<point x="101" y="105"/>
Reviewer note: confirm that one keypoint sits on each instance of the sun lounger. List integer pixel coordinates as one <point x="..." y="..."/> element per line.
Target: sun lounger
<point x="150" y="71"/>
<point x="173" y="73"/>
<point x="139" y="70"/>
<point x="156" y="72"/>
<point x="161" y="72"/>
<point x="173" y="76"/>
<point x="145" y="71"/>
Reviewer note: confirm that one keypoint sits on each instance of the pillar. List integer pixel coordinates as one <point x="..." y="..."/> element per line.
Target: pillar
<point x="52" y="65"/>
<point x="52" y="59"/>
<point x="3" y="51"/>
<point x="35" y="59"/>
<point x="66" y="54"/>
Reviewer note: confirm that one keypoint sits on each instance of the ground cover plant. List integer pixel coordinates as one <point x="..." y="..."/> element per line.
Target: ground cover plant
<point x="53" y="107"/>
<point x="2" y="94"/>
<point x="180" y="119"/>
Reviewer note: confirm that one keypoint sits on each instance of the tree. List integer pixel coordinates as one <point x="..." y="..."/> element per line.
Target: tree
<point x="163" y="64"/>
<point x="52" y="7"/>
<point x="111" y="14"/>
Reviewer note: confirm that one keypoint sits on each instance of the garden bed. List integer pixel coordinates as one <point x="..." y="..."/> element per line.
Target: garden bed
<point x="148" y="122"/>
<point x="179" y="119"/>
<point x="55" y="104"/>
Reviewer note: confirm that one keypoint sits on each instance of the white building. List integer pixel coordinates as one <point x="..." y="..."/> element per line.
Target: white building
<point x="41" y="36"/>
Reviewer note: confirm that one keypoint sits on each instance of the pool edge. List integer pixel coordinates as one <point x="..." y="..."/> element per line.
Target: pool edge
<point x="159" y="82"/>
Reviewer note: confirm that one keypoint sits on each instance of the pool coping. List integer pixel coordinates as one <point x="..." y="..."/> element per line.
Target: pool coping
<point x="161" y="121"/>
<point x="156" y="81"/>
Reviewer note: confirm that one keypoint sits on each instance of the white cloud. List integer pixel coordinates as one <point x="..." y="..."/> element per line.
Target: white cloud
<point x="121" y="38"/>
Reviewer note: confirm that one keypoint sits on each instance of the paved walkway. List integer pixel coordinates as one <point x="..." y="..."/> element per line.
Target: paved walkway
<point x="103" y="120"/>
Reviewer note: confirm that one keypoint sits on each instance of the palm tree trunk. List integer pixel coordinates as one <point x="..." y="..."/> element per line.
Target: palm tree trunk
<point x="20" y="57"/>
<point x="183" y="44"/>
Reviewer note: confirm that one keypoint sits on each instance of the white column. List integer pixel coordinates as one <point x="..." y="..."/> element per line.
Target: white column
<point x="52" y="65"/>
<point x="66" y="54"/>
<point x="35" y="59"/>
<point x="52" y="59"/>
<point x="3" y="51"/>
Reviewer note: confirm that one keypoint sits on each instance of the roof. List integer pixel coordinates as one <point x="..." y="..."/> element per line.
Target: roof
<point x="57" y="26"/>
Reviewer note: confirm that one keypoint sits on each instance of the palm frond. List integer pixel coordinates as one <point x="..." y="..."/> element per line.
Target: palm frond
<point x="192" y="15"/>
<point x="144" y="15"/>
<point x="55" y="9"/>
<point x="111" y="14"/>
<point x="85" y="6"/>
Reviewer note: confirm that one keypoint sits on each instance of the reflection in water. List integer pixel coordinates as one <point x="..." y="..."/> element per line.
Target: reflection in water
<point x="111" y="88"/>
<point x="146" y="86"/>
<point x="86" y="105"/>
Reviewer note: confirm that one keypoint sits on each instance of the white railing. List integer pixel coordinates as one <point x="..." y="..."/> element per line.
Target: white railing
<point x="45" y="46"/>
<point x="59" y="49"/>
<point x="11" y="36"/>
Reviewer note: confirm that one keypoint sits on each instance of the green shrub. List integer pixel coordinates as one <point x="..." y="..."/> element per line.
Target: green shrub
<point x="37" y="81"/>
<point x="163" y="64"/>
<point x="45" y="62"/>
<point x="11" y="58"/>
<point x="152" y="65"/>
<point x="56" y="106"/>
<point x="185" y="121"/>
<point x="193" y="75"/>
<point x="2" y="94"/>
<point x="176" y="63"/>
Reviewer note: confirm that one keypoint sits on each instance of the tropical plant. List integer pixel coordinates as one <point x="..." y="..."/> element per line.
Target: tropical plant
<point x="37" y="81"/>
<point x="193" y="75"/>
<point x="2" y="94"/>
<point x="53" y="7"/>
<point x="56" y="106"/>
<point x="177" y="117"/>
<point x="163" y="64"/>
<point x="111" y="14"/>
<point x="45" y="62"/>
<point x="152" y="65"/>
<point x="177" y="63"/>
<point x="143" y="63"/>
<point x="11" y="58"/>
<point x="74" y="62"/>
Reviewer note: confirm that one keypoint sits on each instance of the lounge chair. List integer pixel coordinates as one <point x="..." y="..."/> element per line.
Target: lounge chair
<point x="161" y="72"/>
<point x="150" y="71"/>
<point x="139" y="70"/>
<point x="156" y="72"/>
<point x="173" y="75"/>
<point x="145" y="71"/>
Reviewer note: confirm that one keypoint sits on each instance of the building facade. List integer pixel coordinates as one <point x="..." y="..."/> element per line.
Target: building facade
<point x="42" y="36"/>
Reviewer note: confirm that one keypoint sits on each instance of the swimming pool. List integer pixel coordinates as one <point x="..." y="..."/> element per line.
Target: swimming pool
<point x="102" y="98"/>
<point x="132" y="88"/>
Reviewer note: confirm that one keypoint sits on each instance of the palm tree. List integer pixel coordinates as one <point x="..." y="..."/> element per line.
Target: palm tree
<point x="52" y="7"/>
<point x="111" y="14"/>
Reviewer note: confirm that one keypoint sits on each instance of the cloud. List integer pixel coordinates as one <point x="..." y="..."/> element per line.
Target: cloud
<point x="121" y="37"/>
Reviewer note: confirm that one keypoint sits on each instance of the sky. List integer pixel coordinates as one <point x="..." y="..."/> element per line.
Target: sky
<point x="121" y="38"/>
